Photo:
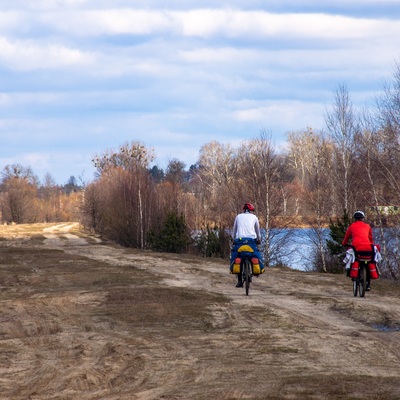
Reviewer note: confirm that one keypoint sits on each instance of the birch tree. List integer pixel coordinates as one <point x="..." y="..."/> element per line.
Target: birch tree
<point x="261" y="183"/>
<point x="310" y="154"/>
<point x="217" y="173"/>
<point x="342" y="126"/>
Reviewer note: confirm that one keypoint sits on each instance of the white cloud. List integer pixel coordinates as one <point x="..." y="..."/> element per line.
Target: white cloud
<point x="36" y="160"/>
<point x="136" y="22"/>
<point x="230" y="23"/>
<point x="24" y="99"/>
<point x="205" y="55"/>
<point x="203" y="23"/>
<point x="28" y="55"/>
<point x="288" y="115"/>
<point x="10" y="20"/>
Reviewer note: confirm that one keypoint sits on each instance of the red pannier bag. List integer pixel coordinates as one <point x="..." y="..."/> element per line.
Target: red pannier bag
<point x="354" y="269"/>
<point x="373" y="271"/>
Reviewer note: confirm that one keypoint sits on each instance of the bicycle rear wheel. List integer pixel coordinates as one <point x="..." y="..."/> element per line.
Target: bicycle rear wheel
<point x="247" y="276"/>
<point x="355" y="287"/>
<point x="362" y="279"/>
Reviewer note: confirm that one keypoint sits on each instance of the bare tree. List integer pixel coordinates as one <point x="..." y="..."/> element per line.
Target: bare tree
<point x="260" y="180"/>
<point x="388" y="105"/>
<point x="127" y="206"/>
<point x="383" y="137"/>
<point x="342" y="127"/>
<point x="299" y="144"/>
<point x="19" y="200"/>
<point x="387" y="128"/>
<point x="318" y="192"/>
<point x="217" y="174"/>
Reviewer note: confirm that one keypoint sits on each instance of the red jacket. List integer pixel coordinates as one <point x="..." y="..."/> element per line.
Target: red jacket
<point x="361" y="236"/>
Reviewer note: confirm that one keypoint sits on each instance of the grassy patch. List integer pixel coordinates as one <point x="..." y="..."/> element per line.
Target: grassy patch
<point x="132" y="296"/>
<point x="173" y="309"/>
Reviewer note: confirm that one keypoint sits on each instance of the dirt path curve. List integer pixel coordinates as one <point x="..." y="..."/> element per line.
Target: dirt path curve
<point x="118" y="323"/>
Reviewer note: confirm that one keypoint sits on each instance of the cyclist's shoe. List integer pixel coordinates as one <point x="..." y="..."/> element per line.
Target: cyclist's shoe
<point x="239" y="284"/>
<point x="368" y="287"/>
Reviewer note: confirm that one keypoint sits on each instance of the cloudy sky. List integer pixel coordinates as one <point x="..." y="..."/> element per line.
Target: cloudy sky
<point x="79" y="77"/>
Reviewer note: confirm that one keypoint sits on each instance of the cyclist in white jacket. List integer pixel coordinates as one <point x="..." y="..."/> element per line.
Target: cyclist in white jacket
<point x="246" y="224"/>
<point x="246" y="227"/>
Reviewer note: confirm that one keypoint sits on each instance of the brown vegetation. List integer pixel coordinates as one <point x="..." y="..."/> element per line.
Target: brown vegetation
<point x="24" y="200"/>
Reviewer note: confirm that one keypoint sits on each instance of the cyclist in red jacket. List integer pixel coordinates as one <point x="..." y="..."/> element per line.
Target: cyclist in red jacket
<point x="360" y="234"/>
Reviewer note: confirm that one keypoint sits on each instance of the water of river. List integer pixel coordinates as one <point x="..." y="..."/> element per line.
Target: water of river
<point x="295" y="247"/>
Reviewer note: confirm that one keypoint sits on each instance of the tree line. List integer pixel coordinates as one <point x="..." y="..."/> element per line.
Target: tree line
<point x="24" y="199"/>
<point x="320" y="179"/>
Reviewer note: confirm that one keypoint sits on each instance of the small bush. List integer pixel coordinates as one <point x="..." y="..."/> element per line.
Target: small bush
<point x="337" y="230"/>
<point x="213" y="242"/>
<point x="173" y="237"/>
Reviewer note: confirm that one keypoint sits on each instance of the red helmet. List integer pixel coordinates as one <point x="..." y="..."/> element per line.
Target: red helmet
<point x="248" y="207"/>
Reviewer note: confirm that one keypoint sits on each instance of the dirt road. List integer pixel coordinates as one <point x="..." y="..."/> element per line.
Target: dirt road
<point x="83" y="319"/>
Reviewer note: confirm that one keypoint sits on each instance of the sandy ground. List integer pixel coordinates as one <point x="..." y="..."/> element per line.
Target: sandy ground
<point x="83" y="319"/>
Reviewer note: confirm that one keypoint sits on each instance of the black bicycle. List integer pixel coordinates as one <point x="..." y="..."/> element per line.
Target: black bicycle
<point x="360" y="283"/>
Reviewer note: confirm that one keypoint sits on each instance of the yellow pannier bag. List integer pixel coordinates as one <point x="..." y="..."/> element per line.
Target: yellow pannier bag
<point x="236" y="266"/>
<point x="256" y="267"/>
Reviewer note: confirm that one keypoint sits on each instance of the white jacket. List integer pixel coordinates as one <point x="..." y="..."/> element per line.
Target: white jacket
<point x="246" y="225"/>
<point x="349" y="258"/>
<point x="378" y="256"/>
